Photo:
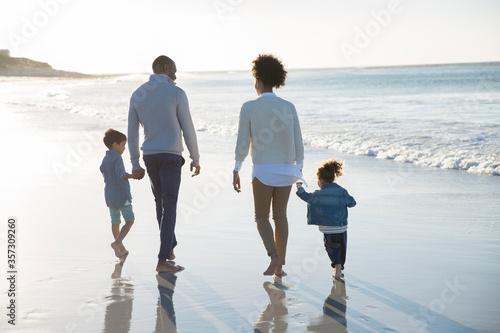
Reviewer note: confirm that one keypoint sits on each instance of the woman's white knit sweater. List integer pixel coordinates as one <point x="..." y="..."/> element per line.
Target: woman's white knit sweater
<point x="270" y="127"/>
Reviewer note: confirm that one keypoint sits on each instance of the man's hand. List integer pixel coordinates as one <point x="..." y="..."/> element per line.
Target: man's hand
<point x="236" y="181"/>
<point x="138" y="173"/>
<point x="196" y="168"/>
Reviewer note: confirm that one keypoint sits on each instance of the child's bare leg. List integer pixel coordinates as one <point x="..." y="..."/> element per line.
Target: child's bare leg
<point x="275" y="260"/>
<point x="119" y="235"/>
<point x="115" y="229"/>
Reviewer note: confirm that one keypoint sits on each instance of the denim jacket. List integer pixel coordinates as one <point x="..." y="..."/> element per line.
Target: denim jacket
<point x="327" y="206"/>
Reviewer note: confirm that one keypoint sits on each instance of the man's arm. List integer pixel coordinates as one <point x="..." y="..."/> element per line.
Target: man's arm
<point x="133" y="137"/>
<point x="188" y="131"/>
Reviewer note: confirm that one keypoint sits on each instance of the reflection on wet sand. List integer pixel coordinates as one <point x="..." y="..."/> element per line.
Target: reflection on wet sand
<point x="273" y="318"/>
<point x="165" y="314"/>
<point x="334" y="311"/>
<point x="119" y="309"/>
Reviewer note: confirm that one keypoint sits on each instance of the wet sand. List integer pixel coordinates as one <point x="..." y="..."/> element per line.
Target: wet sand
<point x="423" y="245"/>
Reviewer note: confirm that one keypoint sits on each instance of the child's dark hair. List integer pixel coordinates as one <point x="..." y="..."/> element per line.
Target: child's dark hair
<point x="270" y="70"/>
<point x="330" y="170"/>
<point x="111" y="136"/>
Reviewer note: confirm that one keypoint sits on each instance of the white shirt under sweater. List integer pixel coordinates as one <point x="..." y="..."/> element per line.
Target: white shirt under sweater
<point x="332" y="230"/>
<point x="273" y="174"/>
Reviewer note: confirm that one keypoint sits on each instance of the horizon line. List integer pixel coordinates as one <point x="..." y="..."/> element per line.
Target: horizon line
<point x="322" y="68"/>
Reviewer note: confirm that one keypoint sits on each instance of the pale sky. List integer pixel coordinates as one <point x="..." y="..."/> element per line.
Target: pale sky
<point x="124" y="36"/>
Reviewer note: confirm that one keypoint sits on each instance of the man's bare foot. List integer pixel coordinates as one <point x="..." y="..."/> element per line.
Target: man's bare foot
<point x="168" y="267"/>
<point x="116" y="248"/>
<point x="275" y="260"/>
<point x="172" y="255"/>
<point x="338" y="271"/>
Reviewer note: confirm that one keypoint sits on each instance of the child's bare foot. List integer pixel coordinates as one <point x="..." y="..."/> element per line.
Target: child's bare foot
<point x="168" y="267"/>
<point x="338" y="271"/>
<point x="275" y="260"/>
<point x="116" y="248"/>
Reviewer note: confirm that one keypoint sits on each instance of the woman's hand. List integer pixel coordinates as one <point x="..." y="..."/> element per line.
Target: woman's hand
<point x="236" y="181"/>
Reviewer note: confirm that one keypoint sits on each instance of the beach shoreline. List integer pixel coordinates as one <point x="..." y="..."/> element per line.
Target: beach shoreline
<point x="50" y="72"/>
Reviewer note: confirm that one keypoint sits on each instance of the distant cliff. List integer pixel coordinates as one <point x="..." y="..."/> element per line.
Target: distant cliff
<point x="10" y="66"/>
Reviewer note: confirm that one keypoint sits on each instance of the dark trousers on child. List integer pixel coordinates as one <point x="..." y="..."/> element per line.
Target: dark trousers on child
<point x="336" y="247"/>
<point x="164" y="171"/>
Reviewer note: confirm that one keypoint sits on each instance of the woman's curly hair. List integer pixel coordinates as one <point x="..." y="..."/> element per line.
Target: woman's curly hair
<point x="270" y="70"/>
<point x="330" y="170"/>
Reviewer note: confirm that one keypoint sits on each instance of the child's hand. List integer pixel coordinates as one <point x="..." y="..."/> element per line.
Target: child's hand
<point x="298" y="184"/>
<point x="138" y="174"/>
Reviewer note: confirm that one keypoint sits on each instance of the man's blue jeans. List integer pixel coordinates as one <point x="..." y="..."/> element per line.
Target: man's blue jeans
<point x="164" y="172"/>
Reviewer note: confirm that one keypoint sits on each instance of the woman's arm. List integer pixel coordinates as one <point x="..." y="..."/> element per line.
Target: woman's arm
<point x="242" y="147"/>
<point x="244" y="136"/>
<point x="297" y="133"/>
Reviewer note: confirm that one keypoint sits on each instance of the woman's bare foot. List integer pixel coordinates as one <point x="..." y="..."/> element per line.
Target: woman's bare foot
<point x="278" y="271"/>
<point x="116" y="248"/>
<point x="338" y="271"/>
<point x="275" y="260"/>
<point x="168" y="267"/>
<point x="125" y="255"/>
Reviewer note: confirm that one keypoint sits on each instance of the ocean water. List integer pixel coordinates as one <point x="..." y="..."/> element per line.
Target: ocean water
<point x="444" y="116"/>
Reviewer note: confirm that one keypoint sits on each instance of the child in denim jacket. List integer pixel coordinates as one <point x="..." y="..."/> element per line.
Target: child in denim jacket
<point x="327" y="208"/>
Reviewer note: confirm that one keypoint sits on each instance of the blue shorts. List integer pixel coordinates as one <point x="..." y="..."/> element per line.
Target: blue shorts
<point x="128" y="214"/>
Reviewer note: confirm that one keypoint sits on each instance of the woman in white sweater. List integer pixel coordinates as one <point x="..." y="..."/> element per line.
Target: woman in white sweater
<point x="269" y="127"/>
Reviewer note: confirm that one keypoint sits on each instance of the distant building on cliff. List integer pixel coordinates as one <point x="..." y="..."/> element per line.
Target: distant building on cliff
<point x="5" y="53"/>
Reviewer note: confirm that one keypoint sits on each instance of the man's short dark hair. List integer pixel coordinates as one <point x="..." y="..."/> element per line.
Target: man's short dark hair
<point x="270" y="70"/>
<point x="160" y="62"/>
<point x="111" y="136"/>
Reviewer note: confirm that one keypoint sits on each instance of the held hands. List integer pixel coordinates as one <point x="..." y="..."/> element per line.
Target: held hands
<point x="138" y="174"/>
<point x="236" y="181"/>
<point x="196" y="170"/>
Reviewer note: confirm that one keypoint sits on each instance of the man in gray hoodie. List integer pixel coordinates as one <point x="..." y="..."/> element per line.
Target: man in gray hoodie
<point x="163" y="111"/>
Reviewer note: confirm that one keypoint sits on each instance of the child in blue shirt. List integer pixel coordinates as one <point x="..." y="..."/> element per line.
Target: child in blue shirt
<point x="327" y="208"/>
<point x="117" y="189"/>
